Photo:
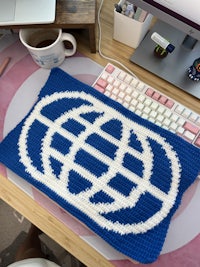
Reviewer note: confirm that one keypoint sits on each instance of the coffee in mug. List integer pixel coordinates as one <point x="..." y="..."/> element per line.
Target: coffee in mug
<point x="46" y="46"/>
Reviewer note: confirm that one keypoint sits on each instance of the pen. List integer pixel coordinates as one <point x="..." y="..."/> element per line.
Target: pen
<point x="118" y="8"/>
<point x="3" y="65"/>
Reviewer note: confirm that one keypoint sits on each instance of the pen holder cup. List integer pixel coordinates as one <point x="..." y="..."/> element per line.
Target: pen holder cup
<point x="130" y="31"/>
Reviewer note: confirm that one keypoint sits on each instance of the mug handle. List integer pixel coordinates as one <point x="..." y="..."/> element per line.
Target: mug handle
<point x="70" y="38"/>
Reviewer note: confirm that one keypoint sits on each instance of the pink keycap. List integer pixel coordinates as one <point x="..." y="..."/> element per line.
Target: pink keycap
<point x="149" y="92"/>
<point x="99" y="88"/>
<point x="156" y="96"/>
<point x="110" y="69"/>
<point x="163" y="99"/>
<point x="192" y="128"/>
<point x="169" y="103"/>
<point x="101" y="82"/>
<point x="197" y="142"/>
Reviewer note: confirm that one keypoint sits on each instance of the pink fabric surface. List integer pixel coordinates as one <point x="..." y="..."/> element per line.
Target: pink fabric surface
<point x="18" y="69"/>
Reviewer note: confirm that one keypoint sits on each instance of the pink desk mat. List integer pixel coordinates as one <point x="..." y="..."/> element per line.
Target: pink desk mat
<point x="19" y="86"/>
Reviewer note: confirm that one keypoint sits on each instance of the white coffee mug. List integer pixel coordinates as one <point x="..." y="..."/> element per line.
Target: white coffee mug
<point x="46" y="46"/>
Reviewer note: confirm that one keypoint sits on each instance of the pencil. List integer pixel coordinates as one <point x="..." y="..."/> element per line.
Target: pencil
<point x="4" y="64"/>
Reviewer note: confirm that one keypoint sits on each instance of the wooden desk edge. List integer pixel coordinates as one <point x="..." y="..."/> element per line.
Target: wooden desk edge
<point x="55" y="229"/>
<point x="90" y="27"/>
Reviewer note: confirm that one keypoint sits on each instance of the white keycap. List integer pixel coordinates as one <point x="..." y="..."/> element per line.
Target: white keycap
<point x="189" y="135"/>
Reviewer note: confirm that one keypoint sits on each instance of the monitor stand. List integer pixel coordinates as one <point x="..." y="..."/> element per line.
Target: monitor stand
<point x="172" y="68"/>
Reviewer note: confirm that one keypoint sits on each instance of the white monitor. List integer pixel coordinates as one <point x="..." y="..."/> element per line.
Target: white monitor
<point x="179" y="22"/>
<point x="182" y="14"/>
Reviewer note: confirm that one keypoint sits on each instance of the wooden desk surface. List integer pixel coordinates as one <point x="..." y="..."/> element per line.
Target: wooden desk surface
<point x="38" y="215"/>
<point x="75" y="12"/>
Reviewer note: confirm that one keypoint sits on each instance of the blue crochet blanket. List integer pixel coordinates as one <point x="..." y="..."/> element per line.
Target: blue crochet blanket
<point x="120" y="175"/>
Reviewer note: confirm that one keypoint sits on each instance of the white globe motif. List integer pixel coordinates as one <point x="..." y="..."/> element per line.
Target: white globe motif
<point x="95" y="169"/>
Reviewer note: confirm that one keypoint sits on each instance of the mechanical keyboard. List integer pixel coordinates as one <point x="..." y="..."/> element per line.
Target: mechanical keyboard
<point x="149" y="103"/>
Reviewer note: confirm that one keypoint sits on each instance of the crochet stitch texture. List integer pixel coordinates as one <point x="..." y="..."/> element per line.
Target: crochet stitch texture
<point x="119" y="174"/>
